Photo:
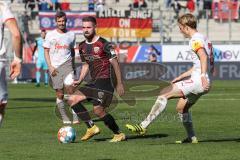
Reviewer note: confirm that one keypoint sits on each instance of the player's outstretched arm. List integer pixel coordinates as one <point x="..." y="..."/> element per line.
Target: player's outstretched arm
<point x="183" y="75"/>
<point x="119" y="87"/>
<point x="15" y="67"/>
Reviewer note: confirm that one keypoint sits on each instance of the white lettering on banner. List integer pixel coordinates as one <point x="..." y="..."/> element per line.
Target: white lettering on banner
<point x="140" y="14"/>
<point x="231" y="71"/>
<point x="124" y="32"/>
<point x="111" y="13"/>
<point x="186" y="56"/>
<point x="175" y="70"/>
<point x="175" y="53"/>
<point x="124" y="23"/>
<point x="227" y="55"/>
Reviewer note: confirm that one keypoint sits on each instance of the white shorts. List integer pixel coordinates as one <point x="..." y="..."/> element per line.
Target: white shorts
<point x="3" y="83"/>
<point x="191" y="88"/>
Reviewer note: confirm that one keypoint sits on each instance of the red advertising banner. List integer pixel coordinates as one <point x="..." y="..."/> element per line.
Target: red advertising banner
<point x="225" y="8"/>
<point x="127" y="24"/>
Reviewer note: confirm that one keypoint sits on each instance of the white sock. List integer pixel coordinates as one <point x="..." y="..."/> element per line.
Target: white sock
<point x="157" y="108"/>
<point x="62" y="111"/>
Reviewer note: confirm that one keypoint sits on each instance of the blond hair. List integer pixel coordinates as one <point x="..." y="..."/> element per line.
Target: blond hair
<point x="188" y="20"/>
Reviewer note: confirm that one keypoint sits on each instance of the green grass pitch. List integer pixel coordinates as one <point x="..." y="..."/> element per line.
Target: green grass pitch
<point x="30" y="129"/>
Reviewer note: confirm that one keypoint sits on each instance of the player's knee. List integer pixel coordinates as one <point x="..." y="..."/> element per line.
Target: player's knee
<point x="179" y="109"/>
<point x="166" y="90"/>
<point x="70" y="90"/>
<point x="74" y="99"/>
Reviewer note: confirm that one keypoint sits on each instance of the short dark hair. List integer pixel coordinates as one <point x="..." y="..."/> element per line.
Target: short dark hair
<point x="60" y="14"/>
<point x="43" y="30"/>
<point x="90" y="19"/>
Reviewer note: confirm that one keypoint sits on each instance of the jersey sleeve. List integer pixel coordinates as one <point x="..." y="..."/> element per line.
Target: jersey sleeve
<point x="109" y="50"/>
<point x="6" y="13"/>
<point x="46" y="43"/>
<point x="196" y="44"/>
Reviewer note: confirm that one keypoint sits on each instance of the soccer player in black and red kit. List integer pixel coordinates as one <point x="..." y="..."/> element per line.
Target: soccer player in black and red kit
<point x="99" y="58"/>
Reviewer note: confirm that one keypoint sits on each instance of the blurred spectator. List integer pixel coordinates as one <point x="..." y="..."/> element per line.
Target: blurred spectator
<point x="23" y="24"/>
<point x="215" y="8"/>
<point x="29" y="4"/>
<point x="65" y="5"/>
<point x="55" y="5"/>
<point x="91" y="5"/>
<point x="153" y="52"/>
<point x="167" y="3"/>
<point x="207" y="4"/>
<point x="200" y="10"/>
<point x="100" y="5"/>
<point x="176" y="7"/>
<point x="190" y="5"/>
<point x="142" y="4"/>
<point x="152" y="57"/>
<point x="45" y="5"/>
<point x="136" y="4"/>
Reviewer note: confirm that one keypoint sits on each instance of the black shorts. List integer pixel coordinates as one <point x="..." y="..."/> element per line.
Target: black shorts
<point x="99" y="92"/>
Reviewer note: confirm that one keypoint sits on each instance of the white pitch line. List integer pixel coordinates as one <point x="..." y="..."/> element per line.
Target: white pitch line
<point x="222" y="94"/>
<point x="215" y="99"/>
<point x="204" y="99"/>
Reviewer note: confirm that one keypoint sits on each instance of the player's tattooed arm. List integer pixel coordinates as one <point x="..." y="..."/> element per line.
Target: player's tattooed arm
<point x="119" y="87"/>
<point x="84" y="71"/>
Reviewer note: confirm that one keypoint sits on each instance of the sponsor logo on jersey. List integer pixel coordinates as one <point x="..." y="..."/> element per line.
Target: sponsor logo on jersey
<point x="100" y="95"/>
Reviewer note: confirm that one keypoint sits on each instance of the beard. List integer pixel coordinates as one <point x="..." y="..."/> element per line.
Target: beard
<point x="88" y="36"/>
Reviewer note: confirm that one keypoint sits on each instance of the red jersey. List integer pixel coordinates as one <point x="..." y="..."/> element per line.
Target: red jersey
<point x="97" y="55"/>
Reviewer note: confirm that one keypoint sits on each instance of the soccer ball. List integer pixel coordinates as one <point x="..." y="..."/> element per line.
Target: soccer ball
<point x="66" y="134"/>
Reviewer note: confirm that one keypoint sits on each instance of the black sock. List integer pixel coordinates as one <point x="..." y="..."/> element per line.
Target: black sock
<point x="109" y="121"/>
<point x="83" y="114"/>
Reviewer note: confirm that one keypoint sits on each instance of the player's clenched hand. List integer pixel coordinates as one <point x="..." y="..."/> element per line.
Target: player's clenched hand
<point x="120" y="89"/>
<point x="53" y="71"/>
<point x="76" y="83"/>
<point x="205" y="83"/>
<point x="15" y="69"/>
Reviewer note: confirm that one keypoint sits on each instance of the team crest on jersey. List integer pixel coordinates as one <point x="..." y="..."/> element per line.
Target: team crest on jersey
<point x="96" y="49"/>
<point x="100" y="95"/>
